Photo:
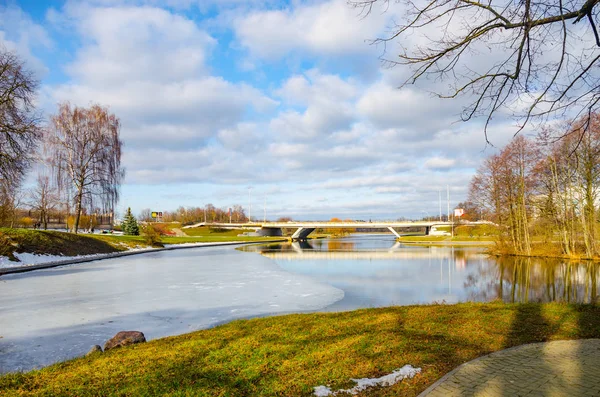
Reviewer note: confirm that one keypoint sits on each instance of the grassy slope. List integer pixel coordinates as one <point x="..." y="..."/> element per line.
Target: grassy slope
<point x="69" y="244"/>
<point x="50" y="243"/>
<point x="476" y="233"/>
<point x="139" y="241"/>
<point x="289" y="355"/>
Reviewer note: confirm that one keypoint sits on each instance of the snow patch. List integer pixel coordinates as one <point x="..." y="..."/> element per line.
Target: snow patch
<point x="27" y="258"/>
<point x="408" y="371"/>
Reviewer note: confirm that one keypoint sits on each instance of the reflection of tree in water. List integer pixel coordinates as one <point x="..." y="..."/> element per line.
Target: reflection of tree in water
<point x="337" y="245"/>
<point x="520" y="279"/>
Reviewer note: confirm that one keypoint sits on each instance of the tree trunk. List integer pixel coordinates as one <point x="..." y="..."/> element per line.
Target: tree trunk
<point x="78" y="210"/>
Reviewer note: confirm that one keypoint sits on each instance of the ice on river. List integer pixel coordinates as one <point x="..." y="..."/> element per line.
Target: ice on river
<point x="54" y="314"/>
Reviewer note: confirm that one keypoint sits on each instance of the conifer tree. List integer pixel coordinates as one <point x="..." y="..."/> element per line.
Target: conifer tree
<point x="130" y="226"/>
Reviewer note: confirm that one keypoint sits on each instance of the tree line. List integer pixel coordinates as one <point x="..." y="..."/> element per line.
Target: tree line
<point x="75" y="156"/>
<point x="190" y="215"/>
<point x="543" y="191"/>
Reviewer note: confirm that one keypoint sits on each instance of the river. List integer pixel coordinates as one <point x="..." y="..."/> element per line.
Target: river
<point x="55" y="314"/>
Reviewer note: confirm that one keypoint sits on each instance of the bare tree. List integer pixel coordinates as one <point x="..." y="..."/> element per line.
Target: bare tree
<point x="19" y="122"/>
<point x="534" y="58"/>
<point x="146" y="215"/>
<point x="43" y="199"/>
<point x="571" y="184"/>
<point x="506" y="185"/>
<point x="86" y="154"/>
<point x="11" y="197"/>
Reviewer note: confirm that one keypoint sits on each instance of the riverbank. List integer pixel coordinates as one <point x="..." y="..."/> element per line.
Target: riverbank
<point x="51" y="261"/>
<point x="543" y="250"/>
<point x="289" y="355"/>
<point x="447" y="240"/>
<point x="26" y="249"/>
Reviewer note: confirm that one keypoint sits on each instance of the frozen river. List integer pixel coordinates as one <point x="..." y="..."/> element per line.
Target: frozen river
<point x="55" y="314"/>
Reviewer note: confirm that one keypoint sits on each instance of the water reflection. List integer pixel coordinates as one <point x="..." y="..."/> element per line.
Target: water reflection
<point x="377" y="271"/>
<point x="545" y="280"/>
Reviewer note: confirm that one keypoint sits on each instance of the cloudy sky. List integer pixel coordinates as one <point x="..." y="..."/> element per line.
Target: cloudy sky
<point x="288" y="99"/>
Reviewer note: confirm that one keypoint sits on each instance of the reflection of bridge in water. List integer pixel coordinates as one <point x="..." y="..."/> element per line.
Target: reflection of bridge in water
<point x="310" y="255"/>
<point x="302" y="250"/>
<point x="339" y="250"/>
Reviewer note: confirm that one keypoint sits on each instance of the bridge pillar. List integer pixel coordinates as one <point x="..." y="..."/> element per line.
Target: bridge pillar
<point x="302" y="233"/>
<point x="394" y="231"/>
<point x="427" y="230"/>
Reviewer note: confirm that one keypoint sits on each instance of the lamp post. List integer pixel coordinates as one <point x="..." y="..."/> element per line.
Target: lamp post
<point x="440" y="201"/>
<point x="249" y="203"/>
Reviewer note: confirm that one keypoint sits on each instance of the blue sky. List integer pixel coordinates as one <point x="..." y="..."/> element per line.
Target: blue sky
<point x="286" y="98"/>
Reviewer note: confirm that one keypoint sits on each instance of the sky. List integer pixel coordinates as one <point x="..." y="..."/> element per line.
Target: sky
<point x="283" y="106"/>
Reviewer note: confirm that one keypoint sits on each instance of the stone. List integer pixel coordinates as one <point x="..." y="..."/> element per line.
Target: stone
<point x="93" y="350"/>
<point x="124" y="338"/>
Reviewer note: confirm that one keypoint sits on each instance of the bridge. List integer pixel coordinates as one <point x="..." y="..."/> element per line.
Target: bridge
<point x="304" y="229"/>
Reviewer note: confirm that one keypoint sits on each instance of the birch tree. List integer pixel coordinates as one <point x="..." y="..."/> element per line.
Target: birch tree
<point x="86" y="154"/>
<point x="43" y="198"/>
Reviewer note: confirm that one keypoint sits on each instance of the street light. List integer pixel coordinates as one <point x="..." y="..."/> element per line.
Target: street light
<point x="249" y="203"/>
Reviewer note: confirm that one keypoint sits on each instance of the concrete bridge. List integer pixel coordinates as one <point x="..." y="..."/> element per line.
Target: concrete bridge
<point x="304" y="229"/>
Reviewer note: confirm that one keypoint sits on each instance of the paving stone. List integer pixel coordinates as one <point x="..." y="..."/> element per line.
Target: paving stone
<point x="558" y="368"/>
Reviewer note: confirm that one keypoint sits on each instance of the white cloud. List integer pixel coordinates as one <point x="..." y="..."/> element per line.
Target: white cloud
<point x="137" y="43"/>
<point x="19" y="33"/>
<point x="328" y="106"/>
<point x="314" y="86"/>
<point x="331" y="28"/>
<point x="389" y="107"/>
<point x="149" y="66"/>
<point x="440" y="163"/>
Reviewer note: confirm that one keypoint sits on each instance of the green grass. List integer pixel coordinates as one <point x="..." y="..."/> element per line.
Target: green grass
<point x="415" y="239"/>
<point x="139" y="241"/>
<point x="205" y="231"/>
<point x="289" y="355"/>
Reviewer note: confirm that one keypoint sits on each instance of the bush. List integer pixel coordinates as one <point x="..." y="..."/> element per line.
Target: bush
<point x="151" y="235"/>
<point x="26" y="221"/>
<point x="163" y="229"/>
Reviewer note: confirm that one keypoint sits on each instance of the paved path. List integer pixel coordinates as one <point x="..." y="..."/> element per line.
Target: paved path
<point x="559" y="368"/>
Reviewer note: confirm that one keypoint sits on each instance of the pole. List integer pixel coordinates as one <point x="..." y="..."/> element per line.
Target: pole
<point x="452" y="225"/>
<point x="440" y="200"/>
<point x="448" y="201"/>
<point x="265" y="216"/>
<point x="249" y="203"/>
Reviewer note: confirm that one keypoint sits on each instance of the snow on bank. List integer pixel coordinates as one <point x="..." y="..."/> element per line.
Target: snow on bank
<point x="408" y="371"/>
<point x="29" y="259"/>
